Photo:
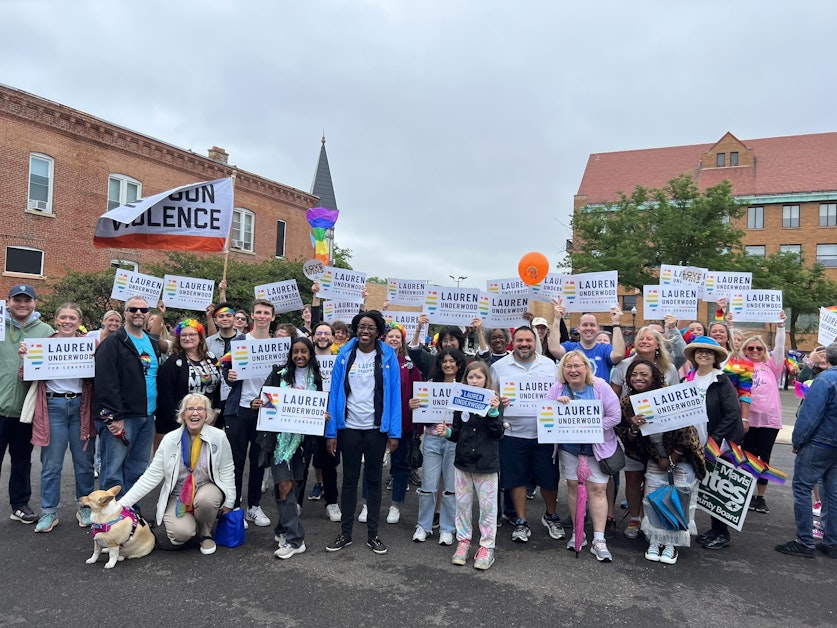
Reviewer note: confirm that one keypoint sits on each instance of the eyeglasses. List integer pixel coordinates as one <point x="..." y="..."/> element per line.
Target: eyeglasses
<point x="192" y="410"/>
<point x="322" y="333"/>
<point x="189" y="336"/>
<point x="573" y="367"/>
<point x="367" y="328"/>
<point x="134" y="309"/>
<point x="757" y="349"/>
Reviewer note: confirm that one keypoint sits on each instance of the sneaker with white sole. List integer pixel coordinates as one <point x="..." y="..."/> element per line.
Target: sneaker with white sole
<point x="521" y="532"/>
<point x="287" y="550"/>
<point x="653" y="553"/>
<point x="553" y="526"/>
<point x="571" y="542"/>
<point x="279" y="538"/>
<point x="47" y="522"/>
<point x="257" y="516"/>
<point x="460" y="556"/>
<point x="632" y="531"/>
<point x="420" y="535"/>
<point x="669" y="555"/>
<point x="394" y="514"/>
<point x="816" y="509"/>
<point x="83" y="516"/>
<point x="446" y="538"/>
<point x="24" y="514"/>
<point x="333" y="512"/>
<point x="484" y="558"/>
<point x="376" y="545"/>
<point x="316" y="493"/>
<point x="600" y="551"/>
<point x="364" y="513"/>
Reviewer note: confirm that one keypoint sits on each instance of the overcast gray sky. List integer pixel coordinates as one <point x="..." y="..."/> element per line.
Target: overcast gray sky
<point x="458" y="130"/>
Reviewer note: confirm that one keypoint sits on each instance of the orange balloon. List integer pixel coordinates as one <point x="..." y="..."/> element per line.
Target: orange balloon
<point x="533" y="267"/>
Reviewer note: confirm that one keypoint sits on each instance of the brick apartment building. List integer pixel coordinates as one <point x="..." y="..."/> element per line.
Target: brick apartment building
<point x="60" y="169"/>
<point x="789" y="185"/>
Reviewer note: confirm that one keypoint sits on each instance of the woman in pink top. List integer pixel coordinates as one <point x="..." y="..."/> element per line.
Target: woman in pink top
<point x="765" y="417"/>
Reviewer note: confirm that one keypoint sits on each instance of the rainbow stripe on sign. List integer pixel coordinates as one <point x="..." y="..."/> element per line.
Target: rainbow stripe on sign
<point x="392" y="287"/>
<point x="271" y="400"/>
<point x="423" y="395"/>
<point x="121" y="282"/>
<point x="710" y="282"/>
<point x="547" y="418"/>
<point x="483" y="306"/>
<point x="35" y="354"/>
<point x="171" y="287"/>
<point x="261" y="293"/>
<point x="509" y="390"/>
<point x="644" y="407"/>
<point x="666" y="276"/>
<point x="326" y="279"/>
<point x="653" y="298"/>
<point x="737" y="303"/>
<point x="494" y="287"/>
<point x="569" y="290"/>
<point x="241" y="356"/>
<point x="432" y="300"/>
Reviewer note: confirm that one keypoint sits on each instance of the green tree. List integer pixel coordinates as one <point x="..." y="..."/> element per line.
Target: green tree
<point x="90" y="291"/>
<point x="342" y="257"/>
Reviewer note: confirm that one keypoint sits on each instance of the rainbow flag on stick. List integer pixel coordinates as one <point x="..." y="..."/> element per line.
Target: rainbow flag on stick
<point x="772" y="474"/>
<point x="753" y="464"/>
<point x="738" y="455"/>
<point x="712" y="450"/>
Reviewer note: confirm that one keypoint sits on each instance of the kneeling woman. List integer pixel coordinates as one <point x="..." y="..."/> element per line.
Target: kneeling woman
<point x="195" y="465"/>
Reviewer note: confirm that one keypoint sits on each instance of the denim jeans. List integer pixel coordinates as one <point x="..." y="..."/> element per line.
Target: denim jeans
<point x="122" y="464"/>
<point x="368" y="445"/>
<point x="400" y="468"/>
<point x="17" y="437"/>
<point x="812" y="463"/>
<point x="438" y="461"/>
<point x="65" y="429"/>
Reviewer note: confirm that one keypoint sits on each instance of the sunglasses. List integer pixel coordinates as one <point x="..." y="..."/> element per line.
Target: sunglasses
<point x="759" y="349"/>
<point x="134" y="310"/>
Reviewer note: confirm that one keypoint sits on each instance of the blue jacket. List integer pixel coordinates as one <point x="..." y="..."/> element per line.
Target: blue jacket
<point x="817" y="420"/>
<point x="391" y="393"/>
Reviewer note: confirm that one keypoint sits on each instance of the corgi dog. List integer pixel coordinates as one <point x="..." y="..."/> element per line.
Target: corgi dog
<point x="124" y="533"/>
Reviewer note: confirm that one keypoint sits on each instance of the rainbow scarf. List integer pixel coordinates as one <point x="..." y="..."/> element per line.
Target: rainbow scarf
<point x="191" y="453"/>
<point x="740" y="372"/>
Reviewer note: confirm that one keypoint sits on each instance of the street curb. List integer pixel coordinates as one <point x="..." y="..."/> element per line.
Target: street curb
<point x="784" y="437"/>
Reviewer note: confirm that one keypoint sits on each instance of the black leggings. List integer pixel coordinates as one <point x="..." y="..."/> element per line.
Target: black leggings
<point x="759" y="441"/>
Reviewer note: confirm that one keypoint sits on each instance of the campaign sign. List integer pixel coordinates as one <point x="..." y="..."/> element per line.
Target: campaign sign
<point x="339" y="311"/>
<point x="672" y="274"/>
<point x="525" y="394"/>
<point x="470" y="399"/>
<point x="679" y="300"/>
<point x="284" y="295"/>
<point x="720" y="284"/>
<point x="434" y="398"/>
<point x="326" y="366"/>
<point x="453" y="306"/>
<point x="669" y="408"/>
<point x="577" y="421"/>
<point x="340" y="284"/>
<point x="828" y="327"/>
<point x="293" y="411"/>
<point x="253" y="358"/>
<point x="756" y="306"/>
<point x="406" y="291"/>
<point x="591" y="292"/>
<point x="313" y="269"/>
<point x="3" y="319"/>
<point x="506" y="310"/>
<point x="550" y="288"/>
<point x="725" y="491"/>
<point x="187" y="293"/>
<point x="59" y="358"/>
<point x="127" y="284"/>
<point x="514" y="285"/>
<point x="408" y="319"/>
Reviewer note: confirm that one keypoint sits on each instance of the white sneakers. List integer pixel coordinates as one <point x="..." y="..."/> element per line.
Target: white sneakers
<point x="363" y="514"/>
<point x="420" y="535"/>
<point x="333" y="512"/>
<point x="257" y="516"/>
<point x="394" y="515"/>
<point x="446" y="538"/>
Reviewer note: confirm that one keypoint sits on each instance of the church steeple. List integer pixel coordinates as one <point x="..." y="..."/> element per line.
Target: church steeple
<point x="322" y="186"/>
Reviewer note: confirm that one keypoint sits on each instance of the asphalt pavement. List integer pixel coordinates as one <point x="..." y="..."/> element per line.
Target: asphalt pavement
<point x="46" y="581"/>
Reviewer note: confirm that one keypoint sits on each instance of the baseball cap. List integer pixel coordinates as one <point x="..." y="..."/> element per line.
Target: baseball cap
<point x="22" y="288"/>
<point x="539" y="321"/>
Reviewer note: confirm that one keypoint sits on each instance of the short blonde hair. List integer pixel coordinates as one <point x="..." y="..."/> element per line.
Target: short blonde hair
<point x="576" y="353"/>
<point x="195" y="399"/>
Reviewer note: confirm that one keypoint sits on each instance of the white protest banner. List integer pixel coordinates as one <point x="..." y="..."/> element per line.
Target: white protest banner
<point x="340" y="284"/>
<point x="194" y="217"/>
<point x="253" y="358"/>
<point x="339" y="311"/>
<point x="591" y="292"/>
<point x="506" y="310"/>
<point x="679" y="300"/>
<point x="406" y="291"/>
<point x="453" y="306"/>
<point x="59" y="358"/>
<point x="552" y="287"/>
<point x="725" y="491"/>
<point x="578" y="421"/>
<point x="669" y="408"/>
<point x="408" y="319"/>
<point x="720" y="284"/>
<point x="672" y="274"/>
<point x="434" y="398"/>
<point x="326" y="366"/>
<point x="756" y="306"/>
<point x="292" y="411"/>
<point x="470" y="399"/>
<point x="284" y="295"/>
<point x="127" y="284"/>
<point x="187" y="293"/>
<point x="828" y="327"/>
<point x="514" y="285"/>
<point x="2" y="320"/>
<point x="525" y="394"/>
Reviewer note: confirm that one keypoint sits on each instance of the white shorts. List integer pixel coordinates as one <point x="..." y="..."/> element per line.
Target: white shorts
<point x="633" y="465"/>
<point x="569" y="468"/>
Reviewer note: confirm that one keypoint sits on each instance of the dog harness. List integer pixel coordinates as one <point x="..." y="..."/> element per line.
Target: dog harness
<point x="99" y="528"/>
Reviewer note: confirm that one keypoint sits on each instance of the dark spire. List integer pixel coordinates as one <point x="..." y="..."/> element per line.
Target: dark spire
<point x="322" y="186"/>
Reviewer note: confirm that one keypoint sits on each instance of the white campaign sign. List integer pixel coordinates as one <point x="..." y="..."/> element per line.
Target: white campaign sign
<point x="284" y="295"/>
<point x="679" y="300"/>
<point x="828" y="327"/>
<point x="470" y="399"/>
<point x="187" y="293"/>
<point x="59" y="358"/>
<point x="339" y="311"/>
<point x="577" y="422"/>
<point x="127" y="284"/>
<point x="253" y="358"/>
<point x="525" y="394"/>
<point x="720" y="285"/>
<point x="406" y="291"/>
<point x="340" y="284"/>
<point x="756" y="306"/>
<point x="434" y="398"/>
<point x="293" y="411"/>
<point x="408" y="319"/>
<point x="670" y="408"/>
<point x="591" y="292"/>
<point x="550" y="288"/>
<point x="671" y="274"/>
<point x="453" y="306"/>
<point x="514" y="285"/>
<point x="506" y="311"/>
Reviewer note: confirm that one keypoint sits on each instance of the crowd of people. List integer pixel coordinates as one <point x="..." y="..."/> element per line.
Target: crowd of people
<point x="169" y="409"/>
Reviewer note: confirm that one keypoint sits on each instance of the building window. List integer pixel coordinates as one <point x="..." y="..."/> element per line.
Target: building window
<point x="791" y="248"/>
<point x="124" y="263"/>
<point x="24" y="260"/>
<point x="828" y="214"/>
<point x="733" y="158"/>
<point x="827" y="254"/>
<point x="40" y="182"/>
<point x="790" y="217"/>
<point x="628" y="303"/>
<point x="721" y="160"/>
<point x="280" y="238"/>
<point x="242" y="229"/>
<point x="755" y="217"/>
<point x="122" y="190"/>
<point x="756" y="250"/>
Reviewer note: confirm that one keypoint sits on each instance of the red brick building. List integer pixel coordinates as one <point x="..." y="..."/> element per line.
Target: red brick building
<point x="60" y="169"/>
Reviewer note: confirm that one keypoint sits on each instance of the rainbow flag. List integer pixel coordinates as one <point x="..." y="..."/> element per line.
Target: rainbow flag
<point x="225" y="361"/>
<point x="738" y="454"/>
<point x="753" y="464"/>
<point x="712" y="450"/>
<point x="800" y="388"/>
<point x="772" y="474"/>
<point x="740" y="372"/>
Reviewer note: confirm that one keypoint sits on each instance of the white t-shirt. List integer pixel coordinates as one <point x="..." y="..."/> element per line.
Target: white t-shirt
<point x="360" y="406"/>
<point x="703" y="382"/>
<point x="250" y="388"/>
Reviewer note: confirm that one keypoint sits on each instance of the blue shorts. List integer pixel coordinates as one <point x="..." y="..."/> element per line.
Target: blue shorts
<point x="525" y="459"/>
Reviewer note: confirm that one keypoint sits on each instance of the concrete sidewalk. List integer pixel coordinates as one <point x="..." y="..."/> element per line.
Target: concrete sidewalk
<point x="790" y="404"/>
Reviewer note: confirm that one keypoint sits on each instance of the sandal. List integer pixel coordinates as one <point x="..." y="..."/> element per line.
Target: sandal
<point x="206" y="548"/>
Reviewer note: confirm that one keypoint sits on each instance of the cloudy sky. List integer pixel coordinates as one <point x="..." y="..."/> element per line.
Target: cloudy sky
<point x="458" y="130"/>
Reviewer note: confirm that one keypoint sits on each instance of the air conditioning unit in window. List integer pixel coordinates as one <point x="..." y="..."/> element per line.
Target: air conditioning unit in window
<point x="41" y="206"/>
<point x="238" y="244"/>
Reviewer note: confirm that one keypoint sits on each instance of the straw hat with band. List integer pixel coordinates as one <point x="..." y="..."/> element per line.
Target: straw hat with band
<point x="705" y="342"/>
